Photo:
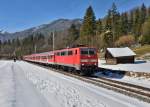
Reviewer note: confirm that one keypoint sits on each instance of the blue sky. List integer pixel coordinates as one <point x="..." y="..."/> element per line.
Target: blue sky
<point x="17" y="15"/>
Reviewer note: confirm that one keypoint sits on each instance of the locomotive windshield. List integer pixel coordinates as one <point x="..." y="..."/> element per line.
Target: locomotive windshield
<point x="88" y="51"/>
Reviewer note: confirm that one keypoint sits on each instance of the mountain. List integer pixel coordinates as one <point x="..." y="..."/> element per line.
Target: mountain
<point x="57" y="25"/>
<point x="4" y="35"/>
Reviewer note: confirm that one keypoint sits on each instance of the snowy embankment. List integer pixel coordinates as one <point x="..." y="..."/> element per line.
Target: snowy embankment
<point x="64" y="91"/>
<point x="123" y="78"/>
<point x="26" y="85"/>
<point x="137" y="67"/>
<point x="137" y="81"/>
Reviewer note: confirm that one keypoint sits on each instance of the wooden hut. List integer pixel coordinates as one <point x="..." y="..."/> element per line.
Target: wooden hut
<point x="119" y="55"/>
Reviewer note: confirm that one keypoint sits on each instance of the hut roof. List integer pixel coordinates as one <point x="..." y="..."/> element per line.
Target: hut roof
<point x="120" y="52"/>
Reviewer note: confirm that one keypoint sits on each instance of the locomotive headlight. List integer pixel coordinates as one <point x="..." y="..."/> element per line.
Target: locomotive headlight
<point x="82" y="64"/>
<point x="88" y="60"/>
<point x="84" y="60"/>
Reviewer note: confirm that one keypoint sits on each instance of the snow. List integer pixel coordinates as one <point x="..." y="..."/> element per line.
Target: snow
<point x="119" y="52"/>
<point x="38" y="27"/>
<point x="137" y="81"/>
<point x="15" y="90"/>
<point x="26" y="85"/>
<point x="121" y="77"/>
<point x="138" y="66"/>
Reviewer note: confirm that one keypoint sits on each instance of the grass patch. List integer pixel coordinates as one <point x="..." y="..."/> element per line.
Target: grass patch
<point x="142" y="50"/>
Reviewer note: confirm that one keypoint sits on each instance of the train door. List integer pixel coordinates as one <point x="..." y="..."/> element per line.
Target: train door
<point x="53" y="57"/>
<point x="75" y="58"/>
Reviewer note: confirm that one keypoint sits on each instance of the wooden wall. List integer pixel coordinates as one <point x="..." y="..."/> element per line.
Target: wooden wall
<point x="112" y="60"/>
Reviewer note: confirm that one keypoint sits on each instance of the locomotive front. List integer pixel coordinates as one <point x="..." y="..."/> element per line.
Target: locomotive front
<point x="88" y="60"/>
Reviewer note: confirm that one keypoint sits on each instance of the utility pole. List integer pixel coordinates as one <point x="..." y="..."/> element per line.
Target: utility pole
<point x="14" y="53"/>
<point x="35" y="48"/>
<point x="53" y="40"/>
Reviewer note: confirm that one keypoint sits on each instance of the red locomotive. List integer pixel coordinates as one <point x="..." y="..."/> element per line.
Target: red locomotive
<point x="83" y="60"/>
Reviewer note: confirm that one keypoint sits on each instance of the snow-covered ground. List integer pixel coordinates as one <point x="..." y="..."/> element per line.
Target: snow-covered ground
<point x="138" y="66"/>
<point x="121" y="77"/>
<point x="16" y="90"/>
<point x="137" y="81"/>
<point x="26" y="85"/>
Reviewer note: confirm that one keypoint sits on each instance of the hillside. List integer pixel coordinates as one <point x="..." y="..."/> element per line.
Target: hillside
<point x="59" y="25"/>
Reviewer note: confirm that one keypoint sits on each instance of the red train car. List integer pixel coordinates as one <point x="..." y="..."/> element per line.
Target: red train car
<point x="83" y="60"/>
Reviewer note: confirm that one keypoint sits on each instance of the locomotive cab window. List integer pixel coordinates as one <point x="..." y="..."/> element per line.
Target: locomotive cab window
<point x="92" y="52"/>
<point x="84" y="52"/>
<point x="88" y="51"/>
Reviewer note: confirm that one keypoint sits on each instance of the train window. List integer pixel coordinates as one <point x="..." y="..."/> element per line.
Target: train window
<point x="63" y="53"/>
<point x="66" y="52"/>
<point x="75" y="52"/>
<point x="44" y="57"/>
<point x="49" y="57"/>
<point x="69" y="52"/>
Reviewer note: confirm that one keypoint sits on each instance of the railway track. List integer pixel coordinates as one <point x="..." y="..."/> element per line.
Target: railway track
<point x="139" y="92"/>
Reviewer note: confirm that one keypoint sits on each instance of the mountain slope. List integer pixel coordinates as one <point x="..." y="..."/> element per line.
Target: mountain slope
<point x="57" y="25"/>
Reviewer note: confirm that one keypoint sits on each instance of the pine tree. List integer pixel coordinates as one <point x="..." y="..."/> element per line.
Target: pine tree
<point x="88" y="27"/>
<point x="50" y="40"/>
<point x="115" y="18"/>
<point x="108" y="38"/>
<point x="114" y="13"/>
<point x="145" y="37"/>
<point x="131" y="21"/>
<point x="108" y="25"/>
<point x="148" y="12"/>
<point x="9" y="42"/>
<point x="73" y="35"/>
<point x="136" y="24"/>
<point x="99" y="27"/>
<point x="124" y="24"/>
<point x="143" y="14"/>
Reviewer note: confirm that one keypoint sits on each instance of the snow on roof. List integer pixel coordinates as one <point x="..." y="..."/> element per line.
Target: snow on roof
<point x="119" y="52"/>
